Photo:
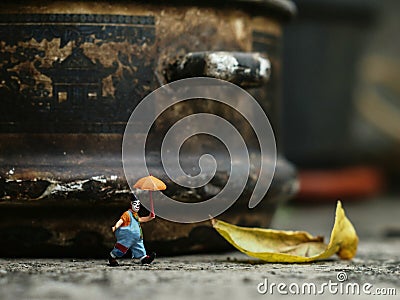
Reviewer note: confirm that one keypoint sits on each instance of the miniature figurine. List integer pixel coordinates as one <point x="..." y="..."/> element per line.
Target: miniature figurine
<point x="129" y="235"/>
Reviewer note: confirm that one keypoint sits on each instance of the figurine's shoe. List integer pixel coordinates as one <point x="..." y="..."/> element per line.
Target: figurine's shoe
<point x="148" y="258"/>
<point x="112" y="261"/>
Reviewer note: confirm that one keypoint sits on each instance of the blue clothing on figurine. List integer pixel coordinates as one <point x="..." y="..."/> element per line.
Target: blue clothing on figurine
<point x="130" y="236"/>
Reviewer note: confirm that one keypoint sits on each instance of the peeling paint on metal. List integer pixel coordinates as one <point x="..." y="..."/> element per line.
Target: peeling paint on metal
<point x="221" y="65"/>
<point x="265" y="67"/>
<point x="101" y="179"/>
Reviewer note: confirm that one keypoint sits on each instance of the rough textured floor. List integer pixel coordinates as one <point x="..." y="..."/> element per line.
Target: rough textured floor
<point x="224" y="276"/>
<point x="228" y="276"/>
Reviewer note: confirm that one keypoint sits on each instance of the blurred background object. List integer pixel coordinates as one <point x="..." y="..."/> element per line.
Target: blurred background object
<point x="343" y="183"/>
<point x="376" y="124"/>
<point x="322" y="49"/>
<point x="341" y="102"/>
<point x="341" y="121"/>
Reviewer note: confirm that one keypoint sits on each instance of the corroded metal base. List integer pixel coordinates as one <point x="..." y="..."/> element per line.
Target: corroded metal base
<point x="78" y="223"/>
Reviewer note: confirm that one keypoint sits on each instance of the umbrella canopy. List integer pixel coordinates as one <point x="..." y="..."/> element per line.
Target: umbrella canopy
<point x="150" y="183"/>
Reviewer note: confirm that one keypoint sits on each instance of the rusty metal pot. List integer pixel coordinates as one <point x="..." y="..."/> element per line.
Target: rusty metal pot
<point x="71" y="74"/>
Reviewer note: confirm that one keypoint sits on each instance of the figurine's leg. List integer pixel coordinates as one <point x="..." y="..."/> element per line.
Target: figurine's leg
<point x="138" y="250"/>
<point x="119" y="250"/>
<point x="121" y="246"/>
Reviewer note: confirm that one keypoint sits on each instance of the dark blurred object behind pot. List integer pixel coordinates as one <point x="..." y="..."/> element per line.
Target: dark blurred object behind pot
<point x="323" y="46"/>
<point x="376" y="125"/>
<point x="323" y="50"/>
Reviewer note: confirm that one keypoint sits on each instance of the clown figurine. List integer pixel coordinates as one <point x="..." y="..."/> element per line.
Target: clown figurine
<point x="129" y="235"/>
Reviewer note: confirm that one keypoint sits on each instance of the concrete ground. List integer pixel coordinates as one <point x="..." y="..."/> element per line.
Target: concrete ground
<point x="376" y="268"/>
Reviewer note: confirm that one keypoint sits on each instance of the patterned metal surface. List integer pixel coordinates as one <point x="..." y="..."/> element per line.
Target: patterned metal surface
<point x="71" y="72"/>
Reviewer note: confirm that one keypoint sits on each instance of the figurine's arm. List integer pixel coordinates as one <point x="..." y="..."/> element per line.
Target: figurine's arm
<point x="117" y="225"/>
<point x="147" y="219"/>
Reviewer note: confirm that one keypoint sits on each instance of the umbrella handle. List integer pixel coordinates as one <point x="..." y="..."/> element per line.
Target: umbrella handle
<point x="151" y="206"/>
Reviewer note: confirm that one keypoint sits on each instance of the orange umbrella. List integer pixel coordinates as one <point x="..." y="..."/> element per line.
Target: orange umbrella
<point x="150" y="183"/>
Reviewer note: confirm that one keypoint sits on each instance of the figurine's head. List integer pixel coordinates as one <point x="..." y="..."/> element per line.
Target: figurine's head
<point x="135" y="204"/>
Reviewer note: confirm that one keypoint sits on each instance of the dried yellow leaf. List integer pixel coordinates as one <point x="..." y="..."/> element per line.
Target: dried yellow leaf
<point x="292" y="246"/>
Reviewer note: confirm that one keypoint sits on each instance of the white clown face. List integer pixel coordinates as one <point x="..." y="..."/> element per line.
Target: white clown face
<point x="135" y="205"/>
